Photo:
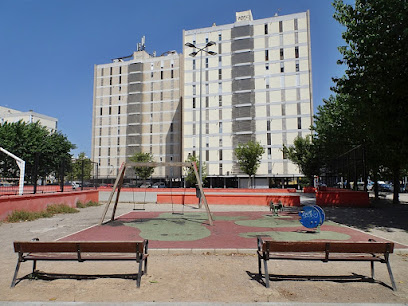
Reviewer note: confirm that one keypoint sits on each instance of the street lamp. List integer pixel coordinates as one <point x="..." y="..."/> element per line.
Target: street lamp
<point x="193" y="54"/>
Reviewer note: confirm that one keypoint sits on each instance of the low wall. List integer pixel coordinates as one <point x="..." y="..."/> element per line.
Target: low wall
<point x="260" y="197"/>
<point x="39" y="202"/>
<point x="342" y="198"/>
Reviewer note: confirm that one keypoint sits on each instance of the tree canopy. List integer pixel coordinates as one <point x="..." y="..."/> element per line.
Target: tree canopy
<point x="143" y="172"/>
<point x="249" y="156"/>
<point x="31" y="142"/>
<point x="374" y="86"/>
<point x="190" y="175"/>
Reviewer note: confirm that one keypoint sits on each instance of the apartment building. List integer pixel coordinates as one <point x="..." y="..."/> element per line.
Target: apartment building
<point x="137" y="108"/>
<point x="257" y="87"/>
<point x="11" y="115"/>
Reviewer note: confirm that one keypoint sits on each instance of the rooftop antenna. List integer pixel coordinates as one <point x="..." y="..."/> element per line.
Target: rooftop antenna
<point x="142" y="45"/>
<point x="277" y="13"/>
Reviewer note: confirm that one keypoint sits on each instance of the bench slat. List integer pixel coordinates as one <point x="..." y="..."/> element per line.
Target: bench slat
<point x="84" y="246"/>
<point x="332" y="247"/>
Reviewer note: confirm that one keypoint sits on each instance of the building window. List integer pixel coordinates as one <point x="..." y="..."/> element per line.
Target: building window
<point x="296" y="24"/>
<point x="161" y="75"/>
<point x="297" y="66"/>
<point x="100" y="112"/>
<point x="280" y="26"/>
<point x="194" y="64"/>
<point x="281" y="53"/>
<point x="194" y="90"/>
<point x="220" y="128"/>
<point x="220" y="153"/>
<point x="219" y="37"/>
<point x="219" y="100"/>
<point x="282" y="67"/>
<point x="266" y="67"/>
<point x="206" y="40"/>
<point x="172" y="74"/>
<point x="299" y="122"/>
<point x="206" y="63"/>
<point x="266" y="55"/>
<point x="296" y="37"/>
<point x="266" y="28"/>
<point x="120" y="79"/>
<point x="297" y="52"/>
<point x="219" y="74"/>
<point x="118" y="110"/>
<point x="110" y="110"/>
<point x="194" y="102"/>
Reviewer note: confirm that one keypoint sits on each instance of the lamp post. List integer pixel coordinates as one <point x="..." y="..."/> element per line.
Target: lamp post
<point x="193" y="54"/>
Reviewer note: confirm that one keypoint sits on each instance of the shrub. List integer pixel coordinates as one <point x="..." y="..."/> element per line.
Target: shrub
<point x="23" y="215"/>
<point x="79" y="204"/>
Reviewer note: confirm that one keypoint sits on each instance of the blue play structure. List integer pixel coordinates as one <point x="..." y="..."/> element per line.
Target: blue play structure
<point x="311" y="216"/>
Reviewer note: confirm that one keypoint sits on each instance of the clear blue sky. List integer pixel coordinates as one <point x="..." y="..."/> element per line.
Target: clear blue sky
<point x="48" y="48"/>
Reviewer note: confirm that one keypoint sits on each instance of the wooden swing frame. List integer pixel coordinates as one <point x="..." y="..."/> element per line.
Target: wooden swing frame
<point x="119" y="181"/>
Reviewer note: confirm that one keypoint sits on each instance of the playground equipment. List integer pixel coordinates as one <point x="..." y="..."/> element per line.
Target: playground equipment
<point x="21" y="166"/>
<point x="311" y="216"/>
<point x="119" y="181"/>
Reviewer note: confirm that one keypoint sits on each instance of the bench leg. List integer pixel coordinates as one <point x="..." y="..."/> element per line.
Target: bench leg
<point x="266" y="273"/>
<point x="394" y="286"/>
<point x="139" y="275"/>
<point x="13" y="283"/>
<point x="145" y="265"/>
<point x="372" y="269"/>
<point x="34" y="265"/>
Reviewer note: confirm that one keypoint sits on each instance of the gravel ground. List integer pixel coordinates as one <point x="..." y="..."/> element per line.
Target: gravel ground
<point x="205" y="277"/>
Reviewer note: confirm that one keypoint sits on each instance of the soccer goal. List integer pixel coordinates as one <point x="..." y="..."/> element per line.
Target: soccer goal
<point x="121" y="173"/>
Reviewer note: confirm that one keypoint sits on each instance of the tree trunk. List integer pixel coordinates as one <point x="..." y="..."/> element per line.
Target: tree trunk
<point x="376" y="185"/>
<point x="396" y="183"/>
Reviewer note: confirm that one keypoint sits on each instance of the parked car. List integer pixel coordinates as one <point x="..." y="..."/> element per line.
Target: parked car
<point x="385" y="187"/>
<point x="159" y="185"/>
<point x="146" y="185"/>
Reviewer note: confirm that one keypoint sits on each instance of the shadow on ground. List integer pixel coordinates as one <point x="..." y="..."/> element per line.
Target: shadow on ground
<point x="383" y="215"/>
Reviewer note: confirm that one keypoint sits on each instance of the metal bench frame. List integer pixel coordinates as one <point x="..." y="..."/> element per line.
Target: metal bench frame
<point x="82" y="251"/>
<point x="325" y="252"/>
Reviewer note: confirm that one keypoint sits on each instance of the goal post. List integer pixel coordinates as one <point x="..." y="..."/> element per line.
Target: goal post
<point x="121" y="173"/>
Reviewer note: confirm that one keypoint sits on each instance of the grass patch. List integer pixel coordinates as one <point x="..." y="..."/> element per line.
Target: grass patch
<point x="23" y="215"/>
<point x="79" y="204"/>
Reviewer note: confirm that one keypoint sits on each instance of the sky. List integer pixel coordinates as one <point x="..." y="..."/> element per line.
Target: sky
<point x="48" y="48"/>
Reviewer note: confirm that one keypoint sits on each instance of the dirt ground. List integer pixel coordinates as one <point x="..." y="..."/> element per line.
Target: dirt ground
<point x="210" y="277"/>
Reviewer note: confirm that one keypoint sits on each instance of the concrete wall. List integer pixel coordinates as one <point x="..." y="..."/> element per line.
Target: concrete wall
<point x="39" y="202"/>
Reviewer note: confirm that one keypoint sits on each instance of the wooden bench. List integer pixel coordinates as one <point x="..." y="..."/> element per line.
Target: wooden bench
<point x="82" y="251"/>
<point x="324" y="251"/>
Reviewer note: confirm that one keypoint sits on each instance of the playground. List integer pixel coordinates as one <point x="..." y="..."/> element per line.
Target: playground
<point x="231" y="230"/>
<point x="193" y="261"/>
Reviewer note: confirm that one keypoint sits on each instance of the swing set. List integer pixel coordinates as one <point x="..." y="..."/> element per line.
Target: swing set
<point x="119" y="182"/>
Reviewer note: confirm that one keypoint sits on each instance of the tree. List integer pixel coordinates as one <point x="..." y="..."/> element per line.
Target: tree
<point x="76" y="173"/>
<point x="143" y="172"/>
<point x="374" y="83"/>
<point x="190" y="174"/>
<point x="304" y="154"/>
<point x="43" y="151"/>
<point x="249" y="157"/>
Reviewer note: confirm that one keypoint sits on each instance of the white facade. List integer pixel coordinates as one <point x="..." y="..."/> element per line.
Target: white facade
<point x="257" y="87"/>
<point x="137" y="109"/>
<point x="11" y="115"/>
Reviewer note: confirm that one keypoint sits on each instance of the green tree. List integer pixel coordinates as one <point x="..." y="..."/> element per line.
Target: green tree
<point x="143" y="172"/>
<point x="190" y="174"/>
<point x="304" y="154"/>
<point x="374" y="82"/>
<point x="249" y="157"/>
<point x="34" y="144"/>
<point x="76" y="173"/>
